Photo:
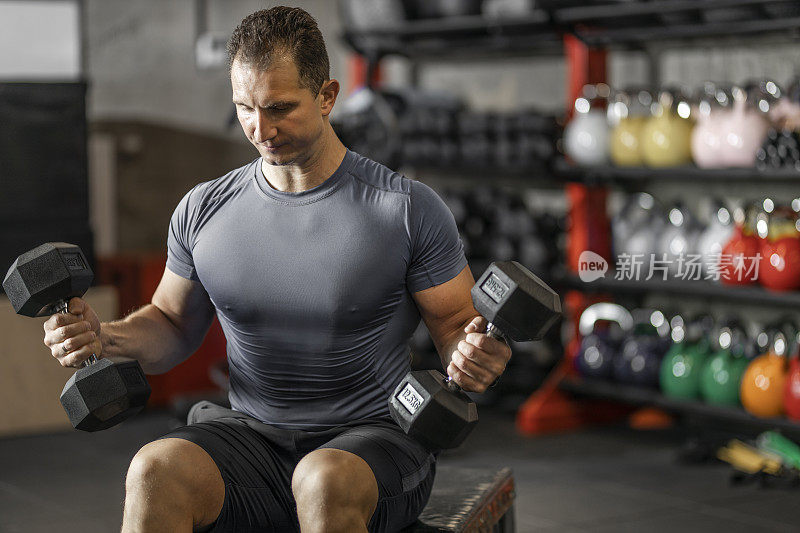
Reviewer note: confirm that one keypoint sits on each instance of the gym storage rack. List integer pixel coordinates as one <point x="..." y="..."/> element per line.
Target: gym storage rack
<point x="641" y="397"/>
<point x="583" y="34"/>
<point x="617" y="24"/>
<point x="748" y="295"/>
<point x="635" y="177"/>
<point x="467" y="37"/>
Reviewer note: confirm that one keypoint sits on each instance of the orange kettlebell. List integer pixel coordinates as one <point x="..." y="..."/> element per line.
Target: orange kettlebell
<point x="763" y="383"/>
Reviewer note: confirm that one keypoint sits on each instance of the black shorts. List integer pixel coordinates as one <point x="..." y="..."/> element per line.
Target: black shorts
<point x="257" y="460"/>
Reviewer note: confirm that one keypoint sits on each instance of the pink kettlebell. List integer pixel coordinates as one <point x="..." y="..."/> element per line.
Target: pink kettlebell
<point x="713" y="108"/>
<point x="744" y="130"/>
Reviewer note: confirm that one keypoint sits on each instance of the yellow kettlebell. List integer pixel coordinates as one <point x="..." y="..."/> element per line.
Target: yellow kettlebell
<point x="666" y="135"/>
<point x="627" y="113"/>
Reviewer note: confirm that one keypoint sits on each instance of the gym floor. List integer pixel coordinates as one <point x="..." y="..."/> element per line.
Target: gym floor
<point x="605" y="479"/>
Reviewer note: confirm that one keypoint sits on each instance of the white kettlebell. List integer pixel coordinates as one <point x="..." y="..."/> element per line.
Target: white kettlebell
<point x="586" y="136"/>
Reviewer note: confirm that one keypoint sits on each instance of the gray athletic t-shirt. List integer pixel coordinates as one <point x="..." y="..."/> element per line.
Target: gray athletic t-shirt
<point x="313" y="289"/>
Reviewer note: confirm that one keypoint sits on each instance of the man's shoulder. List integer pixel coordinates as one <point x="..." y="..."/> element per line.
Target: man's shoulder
<point x="378" y="176"/>
<point x="210" y="190"/>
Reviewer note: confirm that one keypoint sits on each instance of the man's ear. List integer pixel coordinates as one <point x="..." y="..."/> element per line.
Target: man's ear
<point x="328" y="94"/>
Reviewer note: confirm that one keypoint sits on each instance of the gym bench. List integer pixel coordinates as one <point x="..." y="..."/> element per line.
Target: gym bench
<point x="468" y="500"/>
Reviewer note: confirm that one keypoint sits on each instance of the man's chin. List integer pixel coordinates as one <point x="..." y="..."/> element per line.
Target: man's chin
<point x="277" y="160"/>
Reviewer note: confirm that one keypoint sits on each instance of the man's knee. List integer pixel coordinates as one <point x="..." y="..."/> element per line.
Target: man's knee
<point x="335" y="480"/>
<point x="182" y="473"/>
<point x="159" y="463"/>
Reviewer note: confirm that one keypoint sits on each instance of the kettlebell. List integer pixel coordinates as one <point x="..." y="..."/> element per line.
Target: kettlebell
<point x="741" y="250"/>
<point x="678" y="241"/>
<point x="721" y="373"/>
<point x="666" y="134"/>
<point x="636" y="228"/>
<point x="680" y="369"/>
<point x="764" y="381"/>
<point x="602" y="326"/>
<point x="779" y="269"/>
<point x="638" y="362"/>
<point x="713" y="108"/>
<point x="717" y="232"/>
<point x="791" y="393"/>
<point x="627" y="113"/>
<point x="744" y="129"/>
<point x="586" y="135"/>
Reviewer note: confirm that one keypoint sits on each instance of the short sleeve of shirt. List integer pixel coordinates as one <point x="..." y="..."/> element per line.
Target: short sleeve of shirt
<point x="437" y="253"/>
<point x="180" y="237"/>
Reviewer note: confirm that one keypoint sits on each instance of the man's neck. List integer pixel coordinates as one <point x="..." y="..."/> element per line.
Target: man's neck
<point x="308" y="174"/>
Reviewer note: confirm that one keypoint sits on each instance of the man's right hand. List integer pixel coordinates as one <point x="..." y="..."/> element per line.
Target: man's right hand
<point x="73" y="337"/>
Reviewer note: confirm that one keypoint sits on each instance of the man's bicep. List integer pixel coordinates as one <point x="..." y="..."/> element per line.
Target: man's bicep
<point x="445" y="308"/>
<point x="186" y="305"/>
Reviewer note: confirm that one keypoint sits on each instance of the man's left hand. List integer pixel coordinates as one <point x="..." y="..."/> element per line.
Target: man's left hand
<point x="479" y="359"/>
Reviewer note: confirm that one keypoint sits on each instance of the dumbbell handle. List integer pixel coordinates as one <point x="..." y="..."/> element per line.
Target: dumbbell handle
<point x="491" y="331"/>
<point x="62" y="306"/>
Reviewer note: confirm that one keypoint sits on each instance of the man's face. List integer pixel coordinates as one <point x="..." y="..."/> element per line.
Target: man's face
<point x="282" y="119"/>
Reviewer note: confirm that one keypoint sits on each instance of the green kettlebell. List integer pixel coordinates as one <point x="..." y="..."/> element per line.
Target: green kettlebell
<point x="722" y="373"/>
<point x="680" y="369"/>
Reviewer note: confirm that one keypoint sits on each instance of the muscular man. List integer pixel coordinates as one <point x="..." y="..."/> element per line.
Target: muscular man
<point x="319" y="264"/>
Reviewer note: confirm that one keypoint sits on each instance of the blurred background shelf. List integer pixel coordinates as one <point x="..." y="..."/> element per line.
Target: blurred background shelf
<point x="468" y="37"/>
<point x="750" y="295"/>
<point x="563" y="172"/>
<point x="625" y="25"/>
<point x="640" y="396"/>
<point x="627" y="176"/>
<point x="636" y="24"/>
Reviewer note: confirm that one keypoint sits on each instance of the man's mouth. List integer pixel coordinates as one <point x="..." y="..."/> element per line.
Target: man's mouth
<point x="272" y="147"/>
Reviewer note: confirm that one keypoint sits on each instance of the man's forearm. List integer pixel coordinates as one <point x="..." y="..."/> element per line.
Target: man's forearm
<point x="148" y="336"/>
<point x="451" y="342"/>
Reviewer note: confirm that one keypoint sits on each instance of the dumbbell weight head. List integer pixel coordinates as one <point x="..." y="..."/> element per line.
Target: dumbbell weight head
<point x="515" y="301"/>
<point x="102" y="393"/>
<point x="105" y="393"/>
<point x="41" y="277"/>
<point x="430" y="412"/>
<point x="429" y="407"/>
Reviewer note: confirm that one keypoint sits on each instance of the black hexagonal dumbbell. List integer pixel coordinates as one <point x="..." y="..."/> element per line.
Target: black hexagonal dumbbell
<point x="431" y="408"/>
<point x="104" y="392"/>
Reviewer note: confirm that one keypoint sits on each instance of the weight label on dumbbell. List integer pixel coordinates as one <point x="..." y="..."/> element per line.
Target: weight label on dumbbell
<point x="495" y="288"/>
<point x="410" y="398"/>
<point x="74" y="261"/>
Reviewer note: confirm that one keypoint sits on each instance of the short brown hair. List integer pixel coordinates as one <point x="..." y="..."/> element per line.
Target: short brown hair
<point x="270" y="33"/>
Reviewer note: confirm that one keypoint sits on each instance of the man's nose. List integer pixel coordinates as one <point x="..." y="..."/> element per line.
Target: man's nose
<point x="265" y="129"/>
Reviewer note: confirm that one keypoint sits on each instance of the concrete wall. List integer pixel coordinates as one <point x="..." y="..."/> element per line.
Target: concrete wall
<point x="140" y="60"/>
<point x="56" y="57"/>
<point x="141" y="63"/>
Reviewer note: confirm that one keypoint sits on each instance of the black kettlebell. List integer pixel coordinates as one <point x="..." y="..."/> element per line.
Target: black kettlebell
<point x="638" y="362"/>
<point x="603" y="326"/>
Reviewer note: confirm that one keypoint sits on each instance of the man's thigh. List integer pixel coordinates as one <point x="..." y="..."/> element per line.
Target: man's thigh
<point x="403" y="468"/>
<point x="256" y="470"/>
